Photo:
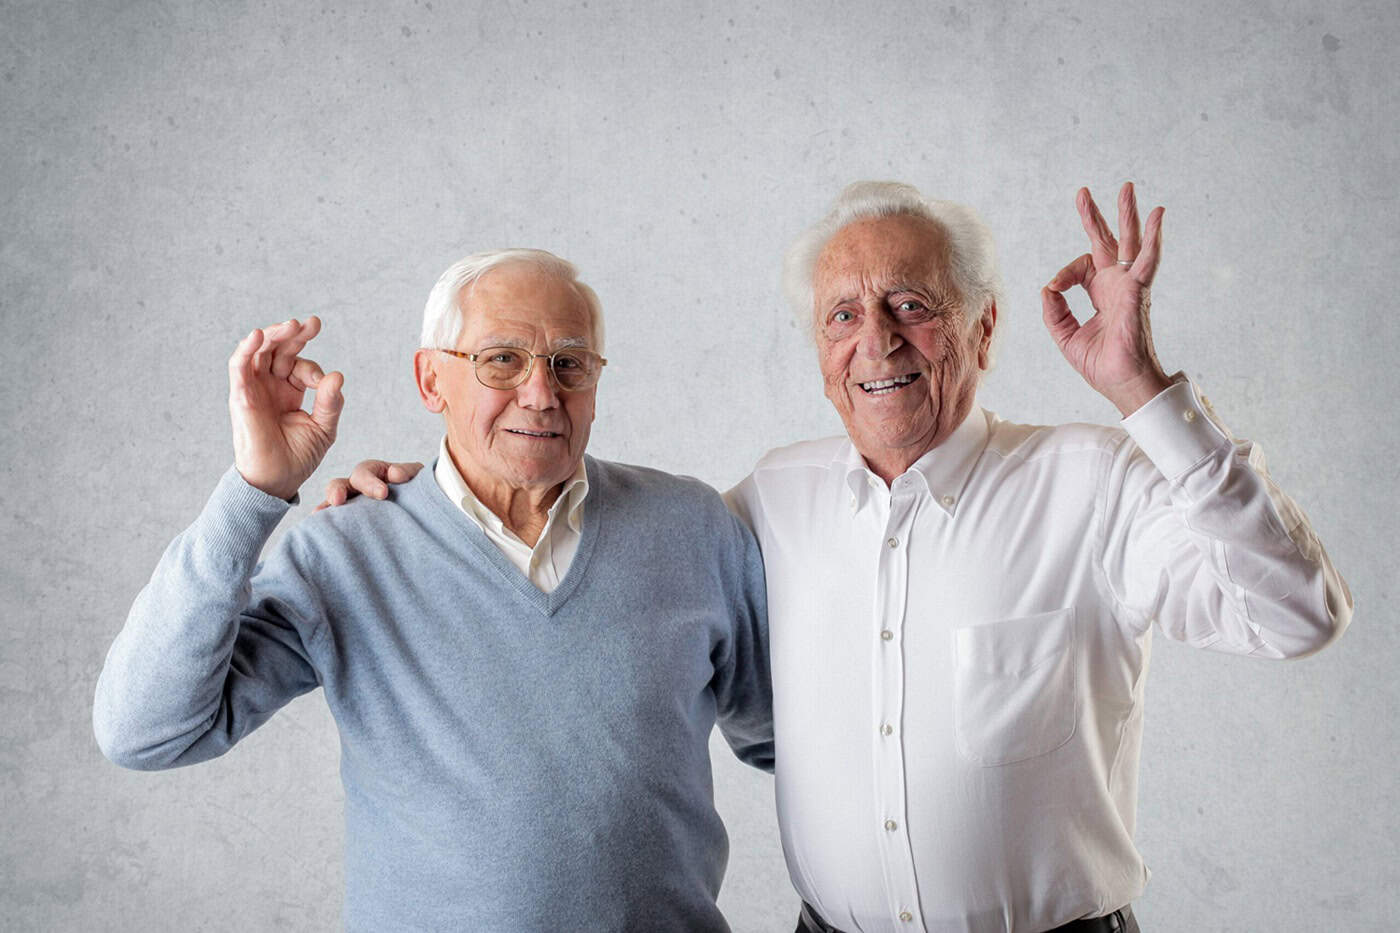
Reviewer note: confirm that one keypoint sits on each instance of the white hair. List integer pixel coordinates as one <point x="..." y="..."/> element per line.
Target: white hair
<point x="443" y="314"/>
<point x="971" y="250"/>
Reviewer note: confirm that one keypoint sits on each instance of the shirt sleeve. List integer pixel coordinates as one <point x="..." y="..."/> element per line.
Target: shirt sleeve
<point x="214" y="643"/>
<point x="743" y="688"/>
<point x="1199" y="538"/>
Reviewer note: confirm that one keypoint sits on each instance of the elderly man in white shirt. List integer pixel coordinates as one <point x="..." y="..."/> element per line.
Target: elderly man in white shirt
<point x="961" y="608"/>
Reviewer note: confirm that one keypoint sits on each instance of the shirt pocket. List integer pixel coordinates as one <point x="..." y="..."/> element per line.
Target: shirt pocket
<point x="1014" y="693"/>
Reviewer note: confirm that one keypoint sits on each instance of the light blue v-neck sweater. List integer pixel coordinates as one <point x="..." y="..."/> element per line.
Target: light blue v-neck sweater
<point x="512" y="760"/>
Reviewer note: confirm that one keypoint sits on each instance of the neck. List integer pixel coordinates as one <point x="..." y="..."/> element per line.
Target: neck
<point x="522" y="509"/>
<point x="889" y="462"/>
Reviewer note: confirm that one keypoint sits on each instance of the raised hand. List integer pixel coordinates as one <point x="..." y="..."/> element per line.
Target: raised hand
<point x="1113" y="349"/>
<point x="370" y="477"/>
<point x="276" y="445"/>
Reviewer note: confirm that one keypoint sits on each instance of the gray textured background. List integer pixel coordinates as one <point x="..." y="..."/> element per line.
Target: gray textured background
<point x="172" y="175"/>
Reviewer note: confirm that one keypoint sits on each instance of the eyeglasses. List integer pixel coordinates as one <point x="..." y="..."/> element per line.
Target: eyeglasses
<point x="507" y="367"/>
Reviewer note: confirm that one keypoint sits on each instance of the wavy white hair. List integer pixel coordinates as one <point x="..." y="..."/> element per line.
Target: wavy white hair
<point x="442" y="315"/>
<point x="972" y="252"/>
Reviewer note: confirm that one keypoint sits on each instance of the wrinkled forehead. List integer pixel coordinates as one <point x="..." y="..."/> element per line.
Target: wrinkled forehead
<point x="520" y="302"/>
<point x="881" y="254"/>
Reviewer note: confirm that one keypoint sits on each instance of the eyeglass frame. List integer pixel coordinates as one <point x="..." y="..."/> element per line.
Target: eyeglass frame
<point x="529" y="367"/>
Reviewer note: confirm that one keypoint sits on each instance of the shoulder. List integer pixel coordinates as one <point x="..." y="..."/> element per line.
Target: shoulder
<point x="1027" y="443"/>
<point x="364" y="523"/>
<point x="639" y="493"/>
<point x="803" y="455"/>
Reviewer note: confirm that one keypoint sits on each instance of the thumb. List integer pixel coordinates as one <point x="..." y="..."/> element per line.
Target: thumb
<point x="325" y="411"/>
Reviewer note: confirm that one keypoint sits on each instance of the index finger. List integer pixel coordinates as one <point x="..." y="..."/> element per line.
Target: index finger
<point x="284" y="357"/>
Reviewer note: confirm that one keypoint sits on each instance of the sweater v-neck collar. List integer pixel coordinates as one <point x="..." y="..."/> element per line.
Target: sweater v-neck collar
<point x="545" y="603"/>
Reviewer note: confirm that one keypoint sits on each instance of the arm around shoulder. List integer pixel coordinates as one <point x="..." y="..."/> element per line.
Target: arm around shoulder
<point x="743" y="686"/>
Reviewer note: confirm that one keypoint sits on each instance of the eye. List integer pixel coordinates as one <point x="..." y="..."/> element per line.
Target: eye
<point x="503" y="357"/>
<point x="910" y="305"/>
<point x="843" y="317"/>
<point x="566" y="361"/>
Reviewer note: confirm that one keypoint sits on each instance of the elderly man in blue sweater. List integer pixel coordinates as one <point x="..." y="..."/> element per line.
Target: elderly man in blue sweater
<point x="525" y="649"/>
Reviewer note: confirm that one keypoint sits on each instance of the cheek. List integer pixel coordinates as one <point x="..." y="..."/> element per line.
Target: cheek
<point x="581" y="412"/>
<point x="834" y="361"/>
<point x="481" y="412"/>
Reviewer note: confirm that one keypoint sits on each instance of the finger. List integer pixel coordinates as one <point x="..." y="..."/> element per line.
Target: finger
<point x="1145" y="267"/>
<point x="368" y="477"/>
<point x="325" y="410"/>
<point x="285" y="356"/>
<point x="1129" y="228"/>
<point x="1079" y="272"/>
<point x="1101" y="241"/>
<point x="402" y="472"/>
<point x="1059" y="320"/>
<point x="305" y="374"/>
<point x="338" y="491"/>
<point x="324" y="505"/>
<point x="240" y="364"/>
<point x="272" y="336"/>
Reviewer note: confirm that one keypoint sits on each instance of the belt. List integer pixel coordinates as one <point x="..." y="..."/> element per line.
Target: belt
<point x="1119" y="921"/>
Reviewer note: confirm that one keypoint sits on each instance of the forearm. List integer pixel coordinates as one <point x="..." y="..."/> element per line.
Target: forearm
<point x="162" y="687"/>
<point x="1237" y="564"/>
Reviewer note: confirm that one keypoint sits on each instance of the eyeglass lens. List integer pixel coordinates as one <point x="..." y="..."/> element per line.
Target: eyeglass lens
<point x="506" y="367"/>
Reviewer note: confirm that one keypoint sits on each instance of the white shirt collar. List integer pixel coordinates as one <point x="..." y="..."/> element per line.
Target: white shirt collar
<point x="942" y="471"/>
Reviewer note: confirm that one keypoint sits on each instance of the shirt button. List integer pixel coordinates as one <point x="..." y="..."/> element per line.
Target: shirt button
<point x="1189" y="414"/>
<point x="891" y="825"/>
<point x="887" y="729"/>
<point x="893" y="543"/>
<point x="906" y="916"/>
<point x="886" y="635"/>
<point x="948" y="500"/>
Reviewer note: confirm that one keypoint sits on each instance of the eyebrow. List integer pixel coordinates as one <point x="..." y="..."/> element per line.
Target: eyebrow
<point x="934" y="294"/>
<point x="563" y="343"/>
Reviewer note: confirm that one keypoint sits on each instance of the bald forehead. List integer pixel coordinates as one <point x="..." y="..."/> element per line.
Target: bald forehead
<point x="521" y="280"/>
<point x="523" y="293"/>
<point x="885" y="252"/>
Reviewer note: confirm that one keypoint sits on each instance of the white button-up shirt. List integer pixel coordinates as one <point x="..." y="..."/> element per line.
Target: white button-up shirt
<point x="548" y="561"/>
<point x="958" y="659"/>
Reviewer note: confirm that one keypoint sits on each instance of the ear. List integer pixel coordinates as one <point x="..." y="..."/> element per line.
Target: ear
<point x="425" y="374"/>
<point x="984" y="339"/>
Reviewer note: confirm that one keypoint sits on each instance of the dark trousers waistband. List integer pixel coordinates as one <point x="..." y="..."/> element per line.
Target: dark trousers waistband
<point x="1120" y="921"/>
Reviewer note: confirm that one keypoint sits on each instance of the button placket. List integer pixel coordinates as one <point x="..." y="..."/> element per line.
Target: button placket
<point x="889" y="688"/>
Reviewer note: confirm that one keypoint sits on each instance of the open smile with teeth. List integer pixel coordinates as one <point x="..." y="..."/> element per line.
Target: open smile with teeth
<point x="524" y="433"/>
<point x="888" y="386"/>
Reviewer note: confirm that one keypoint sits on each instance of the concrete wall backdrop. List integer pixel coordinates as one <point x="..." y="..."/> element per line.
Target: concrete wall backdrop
<point x="173" y="174"/>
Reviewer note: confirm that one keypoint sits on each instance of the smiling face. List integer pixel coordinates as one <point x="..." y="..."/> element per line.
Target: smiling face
<point x="531" y="437"/>
<point x="899" y="356"/>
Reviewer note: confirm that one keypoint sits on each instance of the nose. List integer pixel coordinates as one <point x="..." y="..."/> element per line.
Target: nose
<point x="539" y="390"/>
<point x="878" y="335"/>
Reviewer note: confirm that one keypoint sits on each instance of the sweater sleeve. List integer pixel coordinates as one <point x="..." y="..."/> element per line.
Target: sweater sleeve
<point x="743" y="689"/>
<point x="1200" y="539"/>
<point x="214" y="643"/>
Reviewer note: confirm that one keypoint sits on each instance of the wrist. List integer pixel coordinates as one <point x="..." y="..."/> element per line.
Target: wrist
<point x="281" y="490"/>
<point x="1128" y="397"/>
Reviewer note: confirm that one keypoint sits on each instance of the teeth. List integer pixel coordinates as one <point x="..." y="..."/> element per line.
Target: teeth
<point x="882" y="384"/>
<point x="532" y="433"/>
